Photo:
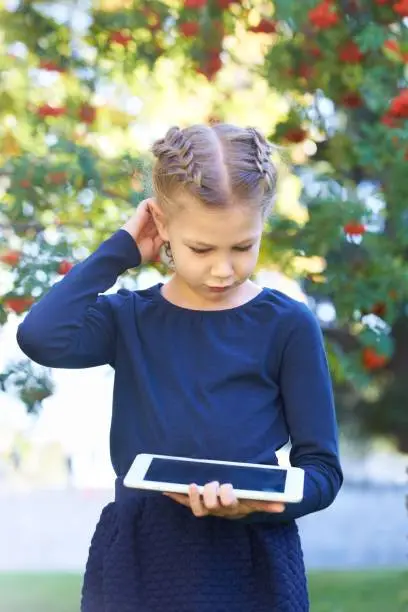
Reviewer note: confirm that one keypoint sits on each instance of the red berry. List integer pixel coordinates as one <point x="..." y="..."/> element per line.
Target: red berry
<point x="350" y="53"/>
<point x="392" y="45"/>
<point x="399" y="105"/>
<point x="225" y="4"/>
<point x="265" y="26"/>
<point x="64" y="267"/>
<point x="18" y="304"/>
<point x="373" y="360"/>
<point x="120" y="38"/>
<point x="401" y="8"/>
<point x="315" y="51"/>
<point x="189" y="28"/>
<point x="11" y="258"/>
<point x="57" y="178"/>
<point x="379" y="309"/>
<point x="87" y="113"/>
<point x="389" y="121"/>
<point x="322" y="16"/>
<point x="296" y="135"/>
<point x="46" y="110"/>
<point x="50" y="66"/>
<point x="194" y="4"/>
<point x="306" y="72"/>
<point x="354" y="228"/>
<point x="211" y="65"/>
<point x="351" y="100"/>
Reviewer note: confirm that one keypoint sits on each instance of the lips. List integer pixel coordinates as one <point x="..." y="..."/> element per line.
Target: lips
<point x="219" y="289"/>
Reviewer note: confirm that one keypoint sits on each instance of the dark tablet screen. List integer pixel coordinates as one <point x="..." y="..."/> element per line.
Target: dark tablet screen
<point x="241" y="477"/>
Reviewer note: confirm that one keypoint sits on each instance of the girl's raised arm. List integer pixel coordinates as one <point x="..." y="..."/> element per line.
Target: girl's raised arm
<point x="72" y="326"/>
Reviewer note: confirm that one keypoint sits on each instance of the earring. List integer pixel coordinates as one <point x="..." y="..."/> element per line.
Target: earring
<point x="166" y="255"/>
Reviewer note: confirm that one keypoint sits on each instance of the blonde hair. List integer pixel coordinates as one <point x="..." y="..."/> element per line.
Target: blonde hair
<point x="218" y="165"/>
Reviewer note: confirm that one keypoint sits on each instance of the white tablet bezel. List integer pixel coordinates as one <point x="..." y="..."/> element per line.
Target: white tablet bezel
<point x="293" y="490"/>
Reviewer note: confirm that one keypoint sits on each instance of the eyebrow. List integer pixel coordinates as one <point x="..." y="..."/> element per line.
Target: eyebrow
<point x="212" y="246"/>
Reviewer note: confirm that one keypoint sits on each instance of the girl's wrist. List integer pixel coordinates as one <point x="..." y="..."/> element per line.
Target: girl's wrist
<point x="128" y="230"/>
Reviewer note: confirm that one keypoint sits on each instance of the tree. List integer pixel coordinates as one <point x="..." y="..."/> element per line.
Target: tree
<point x="350" y="57"/>
<point x="72" y="164"/>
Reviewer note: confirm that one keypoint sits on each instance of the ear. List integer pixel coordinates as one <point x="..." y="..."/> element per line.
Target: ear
<point x="159" y="218"/>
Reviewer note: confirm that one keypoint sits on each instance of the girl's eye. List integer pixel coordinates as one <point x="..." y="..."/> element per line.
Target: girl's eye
<point x="203" y="251"/>
<point x="242" y="249"/>
<point x="200" y="251"/>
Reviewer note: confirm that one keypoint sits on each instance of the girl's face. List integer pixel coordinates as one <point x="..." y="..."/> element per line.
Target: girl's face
<point x="214" y="250"/>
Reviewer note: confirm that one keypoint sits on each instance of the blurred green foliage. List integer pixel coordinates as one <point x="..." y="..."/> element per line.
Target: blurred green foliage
<point x="85" y="88"/>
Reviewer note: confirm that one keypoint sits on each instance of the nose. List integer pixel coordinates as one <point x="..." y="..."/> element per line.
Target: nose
<point x="222" y="269"/>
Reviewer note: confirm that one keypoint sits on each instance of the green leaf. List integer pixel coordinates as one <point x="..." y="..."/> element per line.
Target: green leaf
<point x="372" y="37"/>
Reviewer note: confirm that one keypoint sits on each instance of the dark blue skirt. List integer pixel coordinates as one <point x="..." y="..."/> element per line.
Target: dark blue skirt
<point x="150" y="554"/>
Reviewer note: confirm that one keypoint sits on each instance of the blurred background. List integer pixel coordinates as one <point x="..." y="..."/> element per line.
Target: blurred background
<point x="85" y="87"/>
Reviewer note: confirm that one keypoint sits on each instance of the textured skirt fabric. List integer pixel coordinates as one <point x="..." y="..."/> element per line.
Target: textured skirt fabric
<point x="150" y="554"/>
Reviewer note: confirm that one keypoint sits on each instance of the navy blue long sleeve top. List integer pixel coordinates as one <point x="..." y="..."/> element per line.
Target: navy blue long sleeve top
<point x="231" y="385"/>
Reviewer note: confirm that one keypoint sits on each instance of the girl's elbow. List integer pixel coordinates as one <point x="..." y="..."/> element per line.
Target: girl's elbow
<point x="32" y="343"/>
<point x="26" y="339"/>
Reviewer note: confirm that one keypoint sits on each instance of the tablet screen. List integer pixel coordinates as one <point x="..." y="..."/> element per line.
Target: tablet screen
<point x="241" y="477"/>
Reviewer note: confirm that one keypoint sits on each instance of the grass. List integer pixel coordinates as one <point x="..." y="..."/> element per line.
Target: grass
<point x="376" y="591"/>
<point x="39" y="592"/>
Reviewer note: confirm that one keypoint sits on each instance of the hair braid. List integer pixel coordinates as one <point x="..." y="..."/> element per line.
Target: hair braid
<point x="176" y="151"/>
<point x="263" y="151"/>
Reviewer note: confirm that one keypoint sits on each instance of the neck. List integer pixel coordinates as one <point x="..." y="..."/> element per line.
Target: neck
<point x="181" y="294"/>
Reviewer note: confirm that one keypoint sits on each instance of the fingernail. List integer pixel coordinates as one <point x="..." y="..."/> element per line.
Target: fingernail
<point x="276" y="507"/>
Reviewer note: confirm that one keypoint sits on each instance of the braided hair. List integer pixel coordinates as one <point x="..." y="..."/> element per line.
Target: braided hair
<point x="219" y="165"/>
<point x="176" y="151"/>
<point x="263" y="152"/>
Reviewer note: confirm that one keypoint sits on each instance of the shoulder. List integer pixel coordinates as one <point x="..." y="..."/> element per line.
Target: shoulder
<point x="125" y="297"/>
<point x="293" y="316"/>
<point x="287" y="307"/>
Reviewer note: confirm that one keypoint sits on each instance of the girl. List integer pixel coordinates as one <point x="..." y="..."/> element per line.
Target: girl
<point x="208" y="365"/>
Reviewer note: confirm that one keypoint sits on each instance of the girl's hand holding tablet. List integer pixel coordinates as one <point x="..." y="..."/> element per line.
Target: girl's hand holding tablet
<point x="221" y="501"/>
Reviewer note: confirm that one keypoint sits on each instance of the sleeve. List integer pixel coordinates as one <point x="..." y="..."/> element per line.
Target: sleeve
<point x="72" y="326"/>
<point x="308" y="404"/>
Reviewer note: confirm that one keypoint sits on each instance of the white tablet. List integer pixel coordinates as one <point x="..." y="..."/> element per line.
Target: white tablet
<point x="250" y="480"/>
